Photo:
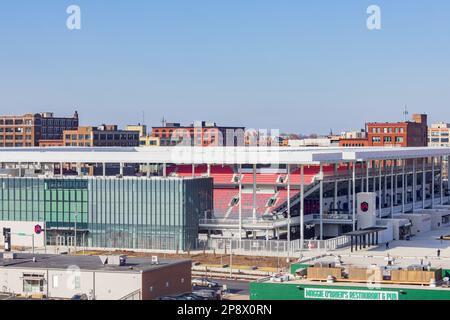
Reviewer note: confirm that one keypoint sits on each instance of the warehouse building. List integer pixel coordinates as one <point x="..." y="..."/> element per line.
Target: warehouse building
<point x="96" y="278"/>
<point x="107" y="212"/>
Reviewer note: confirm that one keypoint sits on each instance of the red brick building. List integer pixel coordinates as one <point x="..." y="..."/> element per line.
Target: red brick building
<point x="353" y="142"/>
<point x="32" y="130"/>
<point x="199" y="133"/>
<point x="401" y="134"/>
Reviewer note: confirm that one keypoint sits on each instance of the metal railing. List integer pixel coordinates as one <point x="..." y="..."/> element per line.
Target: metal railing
<point x="273" y="247"/>
<point x="135" y="295"/>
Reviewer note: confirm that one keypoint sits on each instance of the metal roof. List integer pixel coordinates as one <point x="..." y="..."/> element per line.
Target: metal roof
<point x="213" y="155"/>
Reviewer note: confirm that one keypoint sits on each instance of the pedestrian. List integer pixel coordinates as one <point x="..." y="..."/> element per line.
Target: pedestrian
<point x="439" y="253"/>
<point x="442" y="239"/>
<point x="387" y="245"/>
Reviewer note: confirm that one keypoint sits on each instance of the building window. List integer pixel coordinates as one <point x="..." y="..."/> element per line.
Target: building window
<point x="387" y="139"/>
<point x="55" y="281"/>
<point x="376" y="139"/>
<point x="399" y="139"/>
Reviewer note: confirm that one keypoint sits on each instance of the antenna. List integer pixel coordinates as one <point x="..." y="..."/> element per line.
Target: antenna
<point x="143" y="117"/>
<point x="163" y="121"/>
<point x="405" y="112"/>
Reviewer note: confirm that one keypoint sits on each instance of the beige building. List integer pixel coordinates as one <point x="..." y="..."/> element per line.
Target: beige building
<point x="99" y="278"/>
<point x="438" y="135"/>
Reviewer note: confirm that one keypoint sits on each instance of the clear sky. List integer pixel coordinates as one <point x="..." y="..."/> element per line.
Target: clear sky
<point x="298" y="66"/>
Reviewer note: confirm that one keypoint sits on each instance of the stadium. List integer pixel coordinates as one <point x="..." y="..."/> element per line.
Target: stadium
<point x="260" y="200"/>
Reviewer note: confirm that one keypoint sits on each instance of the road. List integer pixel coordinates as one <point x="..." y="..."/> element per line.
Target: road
<point x="233" y="286"/>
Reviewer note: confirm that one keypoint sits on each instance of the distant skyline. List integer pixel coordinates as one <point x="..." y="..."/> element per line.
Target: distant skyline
<point x="298" y="66"/>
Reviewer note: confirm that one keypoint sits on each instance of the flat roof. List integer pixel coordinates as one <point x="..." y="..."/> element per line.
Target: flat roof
<point x="214" y="155"/>
<point x="87" y="263"/>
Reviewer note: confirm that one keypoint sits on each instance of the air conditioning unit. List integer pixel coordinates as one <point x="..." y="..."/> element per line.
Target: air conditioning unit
<point x="155" y="260"/>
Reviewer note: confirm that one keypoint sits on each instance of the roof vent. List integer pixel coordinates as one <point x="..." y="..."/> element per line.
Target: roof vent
<point x="119" y="260"/>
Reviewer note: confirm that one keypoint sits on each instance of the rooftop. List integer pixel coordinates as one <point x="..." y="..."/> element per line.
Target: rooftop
<point x="215" y="155"/>
<point x="87" y="263"/>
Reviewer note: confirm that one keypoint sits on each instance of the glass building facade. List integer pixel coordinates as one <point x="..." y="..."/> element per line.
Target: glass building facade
<point x="123" y="213"/>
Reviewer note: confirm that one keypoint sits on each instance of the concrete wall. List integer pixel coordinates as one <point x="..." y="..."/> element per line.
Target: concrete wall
<point x="62" y="283"/>
<point x="26" y="227"/>
<point x="420" y="222"/>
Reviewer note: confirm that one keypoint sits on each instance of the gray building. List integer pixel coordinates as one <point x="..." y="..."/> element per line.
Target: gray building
<point x="109" y="212"/>
<point x="98" y="278"/>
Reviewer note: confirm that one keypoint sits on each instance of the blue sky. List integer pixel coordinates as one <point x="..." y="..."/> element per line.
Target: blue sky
<point x="298" y="66"/>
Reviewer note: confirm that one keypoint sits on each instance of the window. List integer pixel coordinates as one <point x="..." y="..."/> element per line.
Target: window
<point x="385" y="130"/>
<point x="55" y="281"/>
<point x="376" y="139"/>
<point x="399" y="139"/>
<point x="387" y="139"/>
<point x="390" y="130"/>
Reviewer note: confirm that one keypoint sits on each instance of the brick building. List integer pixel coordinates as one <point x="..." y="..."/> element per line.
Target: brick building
<point x="102" y="136"/>
<point x="439" y="134"/>
<point x="401" y="134"/>
<point x="200" y="133"/>
<point x="32" y="130"/>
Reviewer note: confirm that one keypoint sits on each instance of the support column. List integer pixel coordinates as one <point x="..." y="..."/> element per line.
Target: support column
<point x="164" y="170"/>
<point x="79" y="169"/>
<point x="148" y="170"/>
<point x="414" y="191"/>
<point x="424" y="183"/>
<point x="121" y="168"/>
<point x="289" y="204"/>
<point x="321" y="201"/>
<point x="367" y="176"/>
<point x="374" y="180"/>
<point x="441" y="183"/>
<point x="209" y="170"/>
<point x="380" y="191"/>
<point x="404" y="186"/>
<point x="61" y="169"/>
<point x="335" y="195"/>
<point x="254" y="193"/>
<point x="385" y="182"/>
<point x="193" y="170"/>
<point x="354" y="197"/>
<point x="104" y="169"/>
<point x="432" y="182"/>
<point x="349" y="187"/>
<point x="392" y="188"/>
<point x="240" y="204"/>
<point x="302" y="205"/>
<point x="448" y="177"/>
